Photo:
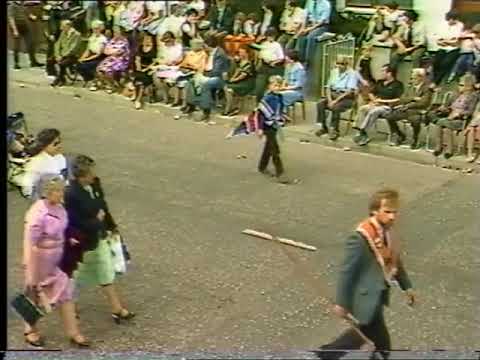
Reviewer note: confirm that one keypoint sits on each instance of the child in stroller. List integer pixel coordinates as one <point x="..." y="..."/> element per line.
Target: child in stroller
<point x="18" y="143"/>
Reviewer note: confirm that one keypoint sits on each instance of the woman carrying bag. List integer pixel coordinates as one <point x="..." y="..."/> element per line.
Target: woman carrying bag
<point x="46" y="284"/>
<point x="89" y="260"/>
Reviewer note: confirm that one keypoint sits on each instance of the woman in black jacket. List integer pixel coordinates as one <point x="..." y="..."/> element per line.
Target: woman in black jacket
<point x="88" y="258"/>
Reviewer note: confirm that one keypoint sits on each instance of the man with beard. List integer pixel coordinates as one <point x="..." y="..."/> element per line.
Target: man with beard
<point x="372" y="265"/>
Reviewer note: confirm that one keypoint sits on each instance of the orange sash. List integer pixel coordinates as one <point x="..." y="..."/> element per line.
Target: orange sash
<point x="387" y="255"/>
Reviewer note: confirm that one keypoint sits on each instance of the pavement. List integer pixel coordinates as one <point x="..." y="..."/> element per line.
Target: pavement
<point x="182" y="194"/>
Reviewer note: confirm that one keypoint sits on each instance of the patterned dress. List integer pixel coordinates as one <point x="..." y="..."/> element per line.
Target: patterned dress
<point x="43" y="250"/>
<point x="115" y="63"/>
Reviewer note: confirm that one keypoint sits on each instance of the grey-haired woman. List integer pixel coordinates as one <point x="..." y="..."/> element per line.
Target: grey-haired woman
<point x="45" y="223"/>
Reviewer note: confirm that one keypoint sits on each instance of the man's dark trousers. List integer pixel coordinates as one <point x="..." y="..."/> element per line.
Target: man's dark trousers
<point x="25" y="33"/>
<point x="338" y="109"/>
<point x="271" y="150"/>
<point x="413" y="116"/>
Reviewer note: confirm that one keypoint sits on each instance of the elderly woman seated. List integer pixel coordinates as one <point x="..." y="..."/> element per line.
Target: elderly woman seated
<point x="292" y="87"/>
<point x="199" y="90"/>
<point x="169" y="56"/>
<point x="117" y="53"/>
<point x="451" y="118"/>
<point x="241" y="83"/>
<point x="93" y="55"/>
<point x="194" y="61"/>
<point x="144" y="60"/>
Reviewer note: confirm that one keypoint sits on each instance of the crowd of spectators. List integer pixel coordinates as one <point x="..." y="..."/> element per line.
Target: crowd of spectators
<point x="190" y="54"/>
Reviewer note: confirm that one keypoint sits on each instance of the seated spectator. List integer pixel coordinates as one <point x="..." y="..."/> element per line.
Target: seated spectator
<point x="194" y="61"/>
<point x="144" y="61"/>
<point x="155" y="15"/>
<point x="475" y="70"/>
<point x="238" y="21"/>
<point x="451" y="118"/>
<point x="241" y="83"/>
<point x="376" y="29"/>
<point x="239" y="37"/>
<point x="268" y="8"/>
<point x="294" y="79"/>
<point x="270" y="59"/>
<point x="448" y="50"/>
<point x="392" y="16"/>
<point x="418" y="99"/>
<point x="385" y="95"/>
<point x="199" y="90"/>
<point x="318" y="18"/>
<point x="220" y="17"/>
<point x="292" y="21"/>
<point x="46" y="158"/>
<point x="131" y="17"/>
<point x="169" y="55"/>
<point x="117" y="53"/>
<point x="173" y="22"/>
<point x="198" y="5"/>
<point x="66" y="51"/>
<point x="466" y="57"/>
<point x="340" y="91"/>
<point x="93" y="55"/>
<point x="189" y="28"/>
<point x="472" y="134"/>
<point x="251" y="26"/>
<point x="409" y="39"/>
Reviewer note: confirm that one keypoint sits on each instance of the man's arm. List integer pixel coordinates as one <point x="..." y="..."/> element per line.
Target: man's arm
<point x="348" y="272"/>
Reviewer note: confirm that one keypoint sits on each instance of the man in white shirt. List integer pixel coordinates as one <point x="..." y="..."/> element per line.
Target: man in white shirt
<point x="448" y="47"/>
<point x="173" y="22"/>
<point x="292" y="20"/>
<point x="271" y="56"/>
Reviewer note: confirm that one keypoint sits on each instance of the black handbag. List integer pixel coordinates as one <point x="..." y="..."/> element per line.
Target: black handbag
<point x="27" y="309"/>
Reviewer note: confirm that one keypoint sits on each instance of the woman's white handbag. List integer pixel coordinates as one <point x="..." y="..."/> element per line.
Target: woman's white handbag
<point x="116" y="246"/>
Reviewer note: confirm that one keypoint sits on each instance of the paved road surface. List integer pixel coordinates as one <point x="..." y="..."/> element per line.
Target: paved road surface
<point x="182" y="198"/>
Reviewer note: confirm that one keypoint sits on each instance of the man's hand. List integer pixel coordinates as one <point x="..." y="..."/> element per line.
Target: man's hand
<point x="340" y="311"/>
<point x="410" y="297"/>
<point x="32" y="17"/>
<point x="260" y="133"/>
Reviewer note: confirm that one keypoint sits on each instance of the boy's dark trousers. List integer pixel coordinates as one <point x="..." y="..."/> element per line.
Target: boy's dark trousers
<point x="271" y="150"/>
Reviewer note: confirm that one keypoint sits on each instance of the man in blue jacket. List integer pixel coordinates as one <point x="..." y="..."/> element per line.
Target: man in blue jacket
<point x="200" y="90"/>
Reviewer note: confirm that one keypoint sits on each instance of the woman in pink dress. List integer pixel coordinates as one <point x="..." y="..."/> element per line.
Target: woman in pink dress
<point x="117" y="60"/>
<point x="45" y="223"/>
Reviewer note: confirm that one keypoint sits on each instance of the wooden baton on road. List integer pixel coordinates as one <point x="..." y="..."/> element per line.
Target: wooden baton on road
<point x="266" y="236"/>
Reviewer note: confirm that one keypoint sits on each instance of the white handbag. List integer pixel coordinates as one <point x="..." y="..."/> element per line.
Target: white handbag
<point x="119" y="261"/>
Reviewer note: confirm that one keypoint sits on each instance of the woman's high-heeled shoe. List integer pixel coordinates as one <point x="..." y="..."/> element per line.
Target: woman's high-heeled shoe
<point x="118" y="317"/>
<point x="36" y="343"/>
<point x="80" y="344"/>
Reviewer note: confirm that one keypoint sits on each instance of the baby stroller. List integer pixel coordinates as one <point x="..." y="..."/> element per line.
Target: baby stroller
<point x="18" y="142"/>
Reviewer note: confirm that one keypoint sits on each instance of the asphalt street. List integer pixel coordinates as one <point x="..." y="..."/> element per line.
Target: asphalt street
<point x="182" y="197"/>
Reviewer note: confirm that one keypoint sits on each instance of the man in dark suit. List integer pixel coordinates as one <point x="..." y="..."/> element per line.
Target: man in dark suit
<point x="372" y="264"/>
<point x="201" y="89"/>
<point x="411" y="107"/>
<point x="221" y="18"/>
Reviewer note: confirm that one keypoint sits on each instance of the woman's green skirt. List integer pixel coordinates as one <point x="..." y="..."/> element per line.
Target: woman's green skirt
<point x="96" y="267"/>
